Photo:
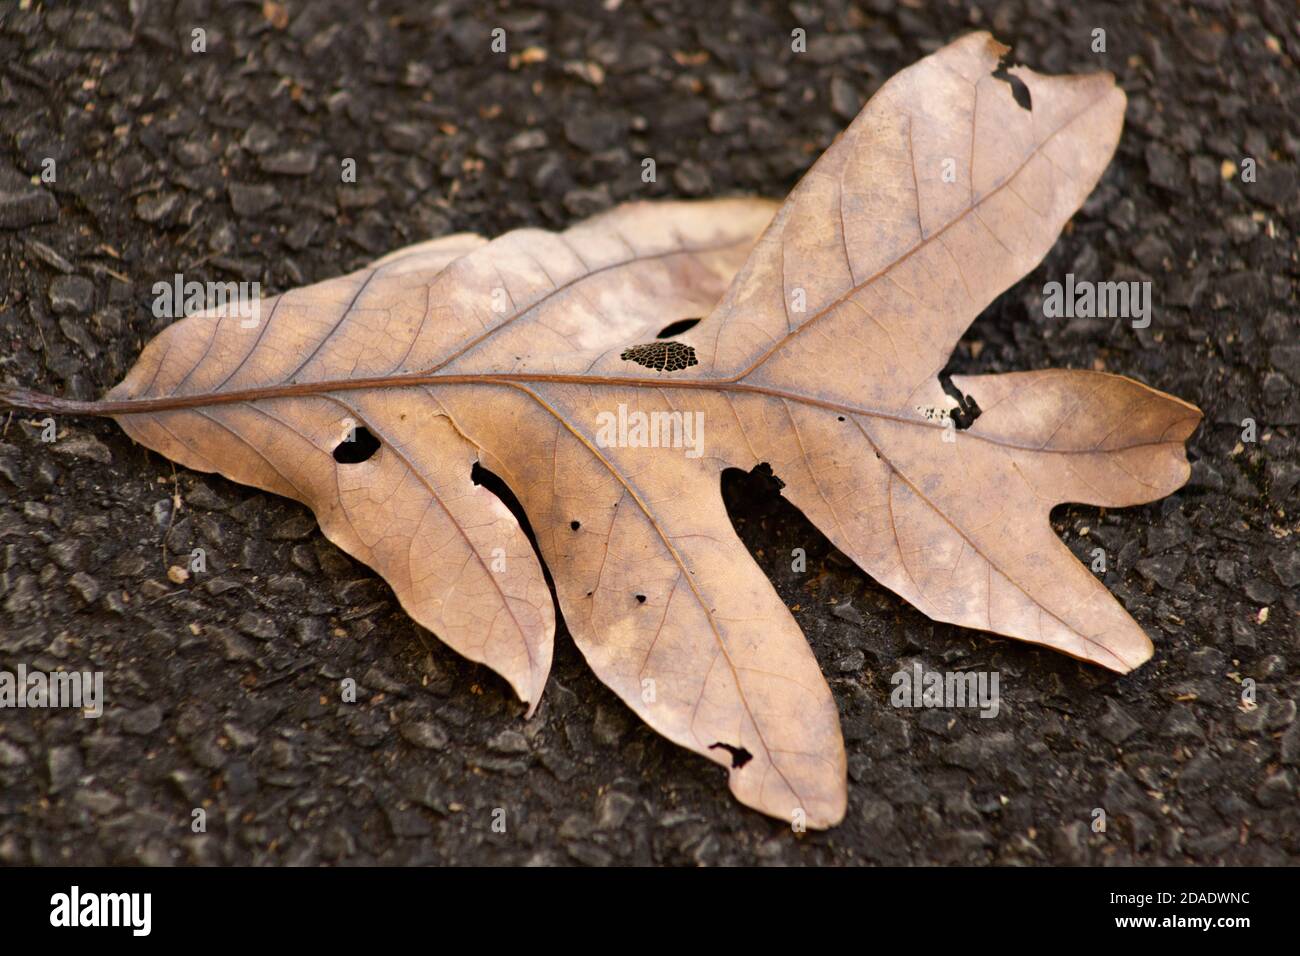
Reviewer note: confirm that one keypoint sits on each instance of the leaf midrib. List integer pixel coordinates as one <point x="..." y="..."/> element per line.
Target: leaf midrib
<point x="325" y="388"/>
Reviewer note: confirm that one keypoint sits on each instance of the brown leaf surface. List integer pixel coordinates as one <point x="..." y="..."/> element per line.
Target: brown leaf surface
<point x="821" y="359"/>
<point x="456" y="558"/>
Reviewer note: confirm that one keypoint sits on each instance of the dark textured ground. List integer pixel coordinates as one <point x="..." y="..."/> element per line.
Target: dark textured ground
<point x="222" y="691"/>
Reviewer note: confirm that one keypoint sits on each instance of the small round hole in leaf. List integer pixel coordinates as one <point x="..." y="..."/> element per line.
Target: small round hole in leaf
<point x="359" y="446"/>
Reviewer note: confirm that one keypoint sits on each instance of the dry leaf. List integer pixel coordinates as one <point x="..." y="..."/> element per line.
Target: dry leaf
<point x="536" y="354"/>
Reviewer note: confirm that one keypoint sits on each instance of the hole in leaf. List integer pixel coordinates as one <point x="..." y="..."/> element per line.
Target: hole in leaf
<point x="360" y="446"/>
<point x="661" y="356"/>
<point x="739" y="755"/>
<point x="1019" y="91"/>
<point x="967" y="410"/>
<point x="767" y="481"/>
<point x="677" y="328"/>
